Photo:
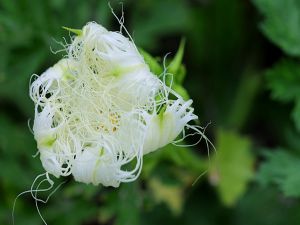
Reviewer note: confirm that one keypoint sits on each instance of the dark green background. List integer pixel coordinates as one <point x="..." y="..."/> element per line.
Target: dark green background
<point x="243" y="73"/>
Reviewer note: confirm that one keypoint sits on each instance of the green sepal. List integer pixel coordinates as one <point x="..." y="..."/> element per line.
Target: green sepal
<point x="75" y="31"/>
<point x="162" y="111"/>
<point x="176" y="70"/>
<point x="47" y="141"/>
<point x="182" y="91"/>
<point x="175" y="67"/>
<point x="152" y="62"/>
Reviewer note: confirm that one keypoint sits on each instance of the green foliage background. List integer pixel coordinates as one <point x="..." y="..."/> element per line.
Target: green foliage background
<point x="242" y="71"/>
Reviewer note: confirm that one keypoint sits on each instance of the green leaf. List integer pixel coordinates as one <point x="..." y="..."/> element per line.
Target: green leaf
<point x="232" y="166"/>
<point x="121" y="203"/>
<point x="244" y="99"/>
<point x="170" y="194"/>
<point x="15" y="86"/>
<point x="281" y="168"/>
<point x="296" y="114"/>
<point x="281" y="23"/>
<point x="128" y="205"/>
<point x="16" y="142"/>
<point x="182" y="157"/>
<point x="263" y="206"/>
<point x="284" y="80"/>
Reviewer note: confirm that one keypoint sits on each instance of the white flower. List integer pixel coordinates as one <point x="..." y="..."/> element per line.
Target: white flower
<point x="115" y="60"/>
<point x="95" y="165"/>
<point x="45" y="136"/>
<point x="164" y="127"/>
<point x="97" y="110"/>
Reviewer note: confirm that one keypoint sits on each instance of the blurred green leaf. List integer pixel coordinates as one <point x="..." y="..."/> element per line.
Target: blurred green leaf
<point x="14" y="144"/>
<point x="264" y="206"/>
<point x="170" y="194"/>
<point x="284" y="80"/>
<point x="281" y="168"/>
<point x="296" y="114"/>
<point x="181" y="156"/>
<point x="17" y="168"/>
<point x="15" y="87"/>
<point x="128" y="205"/>
<point x="122" y="204"/>
<point x="244" y="100"/>
<point x="232" y="166"/>
<point x="157" y="21"/>
<point x="85" y="211"/>
<point x="281" y="23"/>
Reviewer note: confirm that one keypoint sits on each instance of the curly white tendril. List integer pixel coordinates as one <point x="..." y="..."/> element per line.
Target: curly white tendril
<point x="100" y="109"/>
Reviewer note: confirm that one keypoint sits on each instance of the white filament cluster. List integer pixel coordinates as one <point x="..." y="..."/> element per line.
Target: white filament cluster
<point x="100" y="109"/>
